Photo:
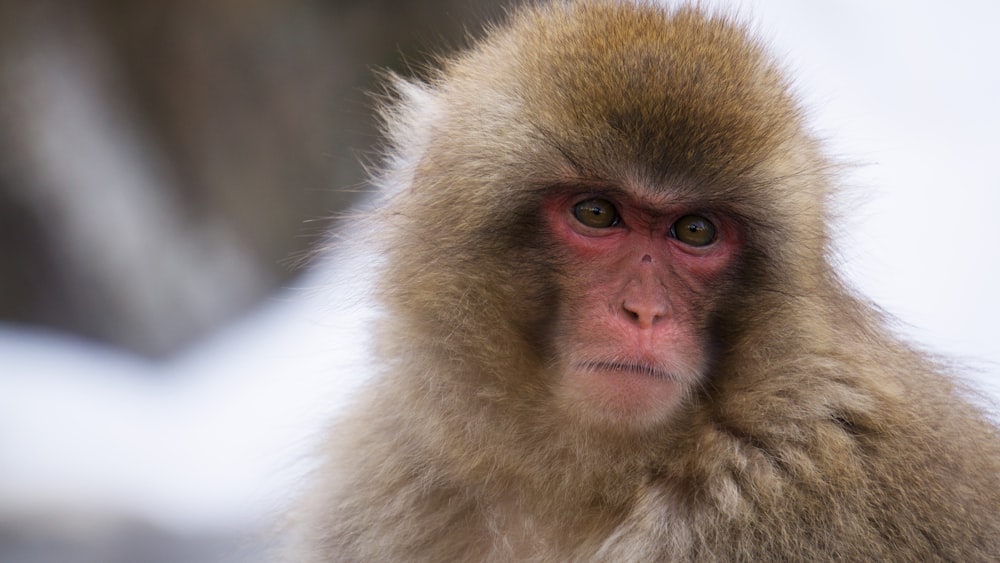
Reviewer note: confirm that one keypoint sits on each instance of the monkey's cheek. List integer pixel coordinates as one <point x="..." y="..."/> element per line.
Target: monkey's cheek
<point x="621" y="398"/>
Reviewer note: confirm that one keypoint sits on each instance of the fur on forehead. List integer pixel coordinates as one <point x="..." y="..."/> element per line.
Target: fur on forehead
<point x="678" y="91"/>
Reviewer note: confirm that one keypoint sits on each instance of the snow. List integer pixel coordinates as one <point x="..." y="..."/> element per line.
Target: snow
<point x="215" y="438"/>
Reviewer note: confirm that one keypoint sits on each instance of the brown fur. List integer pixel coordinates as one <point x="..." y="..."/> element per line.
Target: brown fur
<point x="816" y="435"/>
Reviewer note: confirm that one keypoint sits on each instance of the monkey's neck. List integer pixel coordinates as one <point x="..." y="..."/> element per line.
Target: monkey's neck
<point x="499" y="448"/>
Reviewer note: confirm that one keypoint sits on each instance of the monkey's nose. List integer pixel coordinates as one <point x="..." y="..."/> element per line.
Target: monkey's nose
<point x="645" y="310"/>
<point x="644" y="298"/>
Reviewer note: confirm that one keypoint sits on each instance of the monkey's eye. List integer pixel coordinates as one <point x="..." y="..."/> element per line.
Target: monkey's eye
<point x="597" y="213"/>
<point x="693" y="230"/>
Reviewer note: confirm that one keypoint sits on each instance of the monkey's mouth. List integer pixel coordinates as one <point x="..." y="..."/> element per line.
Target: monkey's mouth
<point x="633" y="368"/>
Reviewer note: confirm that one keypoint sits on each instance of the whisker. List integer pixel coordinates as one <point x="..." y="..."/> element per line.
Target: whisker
<point x="629" y="367"/>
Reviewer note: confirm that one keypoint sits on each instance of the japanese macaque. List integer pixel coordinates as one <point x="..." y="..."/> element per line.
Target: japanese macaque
<point x="612" y="331"/>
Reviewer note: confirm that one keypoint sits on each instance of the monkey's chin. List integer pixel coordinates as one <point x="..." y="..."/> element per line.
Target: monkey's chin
<point x="627" y="395"/>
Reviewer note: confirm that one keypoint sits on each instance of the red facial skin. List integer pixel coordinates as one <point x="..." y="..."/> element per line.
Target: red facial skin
<point x="632" y="334"/>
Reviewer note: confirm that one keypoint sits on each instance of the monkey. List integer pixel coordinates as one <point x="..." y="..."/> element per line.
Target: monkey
<point x="612" y="328"/>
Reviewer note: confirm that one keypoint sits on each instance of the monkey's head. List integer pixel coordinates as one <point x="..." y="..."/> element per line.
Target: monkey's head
<point x="586" y="202"/>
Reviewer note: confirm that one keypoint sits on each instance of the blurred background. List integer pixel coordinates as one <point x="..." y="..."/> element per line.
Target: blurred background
<point x="174" y="331"/>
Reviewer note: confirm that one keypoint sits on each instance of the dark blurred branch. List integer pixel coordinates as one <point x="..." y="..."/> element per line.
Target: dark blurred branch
<point x="162" y="163"/>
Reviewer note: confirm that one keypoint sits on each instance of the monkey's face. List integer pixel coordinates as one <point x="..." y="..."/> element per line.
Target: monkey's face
<point x="642" y="275"/>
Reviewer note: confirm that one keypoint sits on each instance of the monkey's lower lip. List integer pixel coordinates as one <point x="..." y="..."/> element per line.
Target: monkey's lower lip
<point x="641" y="369"/>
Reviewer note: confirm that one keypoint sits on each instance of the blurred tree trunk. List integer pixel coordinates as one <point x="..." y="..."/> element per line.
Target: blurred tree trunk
<point x="163" y="164"/>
